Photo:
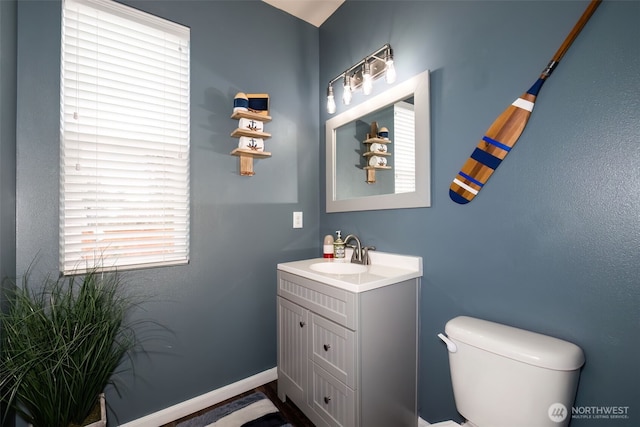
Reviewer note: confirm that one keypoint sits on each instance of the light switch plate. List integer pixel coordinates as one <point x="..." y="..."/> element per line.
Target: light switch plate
<point x="297" y="220"/>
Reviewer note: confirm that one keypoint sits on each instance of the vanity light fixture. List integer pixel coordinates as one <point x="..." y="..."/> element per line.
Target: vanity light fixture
<point x="362" y="74"/>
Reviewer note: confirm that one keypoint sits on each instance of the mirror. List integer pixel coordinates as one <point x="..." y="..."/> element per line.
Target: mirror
<point x="404" y="179"/>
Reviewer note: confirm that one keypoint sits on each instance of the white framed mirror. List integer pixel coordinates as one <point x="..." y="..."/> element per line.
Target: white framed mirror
<point x="405" y="182"/>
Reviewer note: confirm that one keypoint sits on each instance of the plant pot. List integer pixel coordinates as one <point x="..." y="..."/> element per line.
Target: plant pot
<point x="103" y="413"/>
<point x="102" y="422"/>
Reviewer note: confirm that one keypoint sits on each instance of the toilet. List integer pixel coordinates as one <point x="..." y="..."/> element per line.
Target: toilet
<point x="506" y="377"/>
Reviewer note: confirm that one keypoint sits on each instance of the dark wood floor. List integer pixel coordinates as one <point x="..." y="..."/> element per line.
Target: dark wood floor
<point x="288" y="410"/>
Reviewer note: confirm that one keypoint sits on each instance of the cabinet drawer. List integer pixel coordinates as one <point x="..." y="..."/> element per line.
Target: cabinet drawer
<point x="333" y="347"/>
<point x="331" y="399"/>
<point x="333" y="303"/>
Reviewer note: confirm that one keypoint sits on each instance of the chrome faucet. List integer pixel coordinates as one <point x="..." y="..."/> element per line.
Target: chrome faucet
<point x="360" y="254"/>
<point x="365" y="254"/>
<point x="356" y="257"/>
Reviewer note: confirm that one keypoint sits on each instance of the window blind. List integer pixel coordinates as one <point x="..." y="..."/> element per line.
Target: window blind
<point x="404" y="148"/>
<point x="124" y="144"/>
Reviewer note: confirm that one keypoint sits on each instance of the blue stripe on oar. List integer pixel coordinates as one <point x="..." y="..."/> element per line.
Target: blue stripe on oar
<point x="457" y="198"/>
<point x="533" y="90"/>
<point x="468" y="178"/>
<point x="496" y="143"/>
<point x="485" y="158"/>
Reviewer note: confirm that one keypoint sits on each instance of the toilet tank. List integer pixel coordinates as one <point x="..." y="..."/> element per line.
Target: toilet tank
<point x="504" y="376"/>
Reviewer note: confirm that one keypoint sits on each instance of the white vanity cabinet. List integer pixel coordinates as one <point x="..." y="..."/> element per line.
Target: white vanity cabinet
<point x="348" y="358"/>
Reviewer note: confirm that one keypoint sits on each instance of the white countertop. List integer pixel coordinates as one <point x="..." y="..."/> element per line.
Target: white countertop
<point x="385" y="269"/>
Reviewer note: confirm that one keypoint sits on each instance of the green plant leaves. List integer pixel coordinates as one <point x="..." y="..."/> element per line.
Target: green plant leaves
<point x="61" y="344"/>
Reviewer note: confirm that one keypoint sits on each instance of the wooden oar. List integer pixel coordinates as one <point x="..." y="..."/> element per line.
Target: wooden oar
<point x="507" y="128"/>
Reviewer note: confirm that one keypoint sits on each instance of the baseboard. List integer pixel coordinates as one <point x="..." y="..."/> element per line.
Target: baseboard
<point x="422" y="423"/>
<point x="201" y="402"/>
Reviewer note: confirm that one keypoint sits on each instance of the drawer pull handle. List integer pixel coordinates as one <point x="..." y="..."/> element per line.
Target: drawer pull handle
<point x="326" y="347"/>
<point x="302" y="324"/>
<point x="327" y="399"/>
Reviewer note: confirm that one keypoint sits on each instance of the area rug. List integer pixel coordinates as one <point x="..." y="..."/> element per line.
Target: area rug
<point x="254" y="410"/>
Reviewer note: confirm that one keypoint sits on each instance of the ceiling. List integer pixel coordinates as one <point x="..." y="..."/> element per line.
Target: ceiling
<point x="313" y="11"/>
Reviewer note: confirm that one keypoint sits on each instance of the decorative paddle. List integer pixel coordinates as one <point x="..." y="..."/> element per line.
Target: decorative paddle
<point x="507" y="128"/>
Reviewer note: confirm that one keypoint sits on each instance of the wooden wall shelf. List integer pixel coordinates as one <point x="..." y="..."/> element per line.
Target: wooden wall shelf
<point x="250" y="153"/>
<point x="250" y="115"/>
<point x="246" y="159"/>
<point x="371" y="172"/>
<point x="377" y="140"/>
<point x="246" y="156"/>
<point x="372" y="138"/>
<point x="250" y="133"/>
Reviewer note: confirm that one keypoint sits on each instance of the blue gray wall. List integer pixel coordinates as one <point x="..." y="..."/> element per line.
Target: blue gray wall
<point x="220" y="309"/>
<point x="7" y="146"/>
<point x="551" y="244"/>
<point x="7" y="137"/>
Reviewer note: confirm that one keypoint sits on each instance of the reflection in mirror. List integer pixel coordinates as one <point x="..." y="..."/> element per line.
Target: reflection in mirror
<point x="365" y="172"/>
<point x="354" y="156"/>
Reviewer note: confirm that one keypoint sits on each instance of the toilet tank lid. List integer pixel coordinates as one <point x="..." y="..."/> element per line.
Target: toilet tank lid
<point x="518" y="344"/>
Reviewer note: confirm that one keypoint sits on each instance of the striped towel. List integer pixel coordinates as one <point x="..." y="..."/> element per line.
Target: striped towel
<point x="254" y="410"/>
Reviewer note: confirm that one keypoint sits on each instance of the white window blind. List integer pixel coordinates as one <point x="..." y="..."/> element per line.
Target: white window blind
<point x="124" y="166"/>
<point x="404" y="147"/>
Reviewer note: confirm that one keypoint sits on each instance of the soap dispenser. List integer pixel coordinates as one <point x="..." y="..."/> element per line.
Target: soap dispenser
<point x="338" y="246"/>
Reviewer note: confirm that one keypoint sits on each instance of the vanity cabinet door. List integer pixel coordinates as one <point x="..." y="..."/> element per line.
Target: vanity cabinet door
<point x="292" y="350"/>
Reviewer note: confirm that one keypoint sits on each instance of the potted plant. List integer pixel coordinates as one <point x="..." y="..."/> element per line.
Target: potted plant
<point x="60" y="345"/>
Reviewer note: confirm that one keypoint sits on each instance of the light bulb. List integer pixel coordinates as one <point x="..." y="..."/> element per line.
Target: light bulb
<point x="390" y="74"/>
<point x="331" y="103"/>
<point x="346" y="93"/>
<point x="390" y="70"/>
<point x="367" y="84"/>
<point x="367" y="81"/>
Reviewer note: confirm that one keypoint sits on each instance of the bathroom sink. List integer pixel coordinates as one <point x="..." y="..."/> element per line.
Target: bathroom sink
<point x="385" y="269"/>
<point x="338" y="268"/>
